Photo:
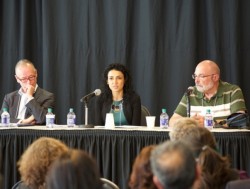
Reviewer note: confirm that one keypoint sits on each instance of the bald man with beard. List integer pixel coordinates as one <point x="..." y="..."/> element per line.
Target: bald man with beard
<point x="210" y="92"/>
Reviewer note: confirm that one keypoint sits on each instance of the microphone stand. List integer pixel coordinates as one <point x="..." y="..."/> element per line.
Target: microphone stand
<point x="188" y="105"/>
<point x="86" y="113"/>
<point x="86" y="125"/>
<point x="188" y="92"/>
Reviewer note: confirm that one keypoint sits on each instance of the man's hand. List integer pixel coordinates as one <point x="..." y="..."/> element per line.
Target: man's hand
<point x="29" y="120"/>
<point x="30" y="91"/>
<point x="199" y="119"/>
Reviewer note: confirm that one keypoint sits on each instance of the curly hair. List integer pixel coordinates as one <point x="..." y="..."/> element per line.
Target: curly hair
<point x="36" y="160"/>
<point x="187" y="130"/>
<point x="127" y="89"/>
<point x="142" y="176"/>
<point x="182" y="128"/>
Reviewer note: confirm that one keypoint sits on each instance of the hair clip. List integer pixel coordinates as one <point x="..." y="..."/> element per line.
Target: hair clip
<point x="204" y="147"/>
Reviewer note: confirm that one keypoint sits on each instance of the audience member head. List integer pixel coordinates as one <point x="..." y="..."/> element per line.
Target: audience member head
<point x="119" y="72"/>
<point x="36" y="160"/>
<point x="26" y="74"/>
<point x="74" y="169"/>
<point x="203" y="145"/>
<point x="173" y="166"/>
<point x="182" y="128"/>
<point x="216" y="170"/>
<point x="142" y="176"/>
<point x="187" y="130"/>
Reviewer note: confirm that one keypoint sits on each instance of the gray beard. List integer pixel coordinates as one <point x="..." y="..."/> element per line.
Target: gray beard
<point x="205" y="88"/>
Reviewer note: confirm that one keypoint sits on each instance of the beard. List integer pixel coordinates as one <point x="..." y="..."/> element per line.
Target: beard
<point x="205" y="88"/>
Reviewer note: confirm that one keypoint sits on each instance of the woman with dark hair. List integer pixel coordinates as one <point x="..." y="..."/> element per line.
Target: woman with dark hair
<point x="142" y="176"/>
<point x="216" y="170"/>
<point x="118" y="97"/>
<point x="74" y="169"/>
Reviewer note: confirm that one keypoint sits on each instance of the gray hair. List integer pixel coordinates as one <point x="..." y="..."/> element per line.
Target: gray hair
<point x="174" y="165"/>
<point x="182" y="127"/>
<point x="188" y="131"/>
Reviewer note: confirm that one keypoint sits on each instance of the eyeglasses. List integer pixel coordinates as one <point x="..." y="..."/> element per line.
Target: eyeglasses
<point x="194" y="76"/>
<point x="25" y="80"/>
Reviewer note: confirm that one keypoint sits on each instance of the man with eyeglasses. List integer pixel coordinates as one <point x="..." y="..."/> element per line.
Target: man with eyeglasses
<point x="210" y="92"/>
<point x="29" y="104"/>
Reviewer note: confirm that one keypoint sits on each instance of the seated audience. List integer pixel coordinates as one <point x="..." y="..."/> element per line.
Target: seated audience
<point x="220" y="97"/>
<point x="118" y="97"/>
<point x="216" y="170"/>
<point x="142" y="176"/>
<point x="174" y="166"/>
<point x="188" y="130"/>
<point x="36" y="161"/>
<point x="74" y="169"/>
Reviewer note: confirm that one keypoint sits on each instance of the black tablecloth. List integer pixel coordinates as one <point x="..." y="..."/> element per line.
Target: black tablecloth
<point x="114" y="150"/>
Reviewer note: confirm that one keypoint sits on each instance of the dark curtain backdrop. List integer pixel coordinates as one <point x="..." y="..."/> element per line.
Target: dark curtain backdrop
<point x="160" y="41"/>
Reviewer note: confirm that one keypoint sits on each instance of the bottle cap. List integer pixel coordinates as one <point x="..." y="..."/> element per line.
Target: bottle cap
<point x="164" y="110"/>
<point x="50" y="110"/>
<point x="5" y="109"/>
<point x="71" y="109"/>
<point x="208" y="111"/>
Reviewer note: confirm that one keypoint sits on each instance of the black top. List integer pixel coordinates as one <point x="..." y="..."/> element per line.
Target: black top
<point x="131" y="108"/>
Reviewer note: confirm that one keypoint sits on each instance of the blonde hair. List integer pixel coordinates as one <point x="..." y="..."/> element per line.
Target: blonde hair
<point x="182" y="128"/>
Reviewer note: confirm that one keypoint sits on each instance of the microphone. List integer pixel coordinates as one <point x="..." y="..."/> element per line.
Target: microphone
<point x="86" y="98"/>
<point x="188" y="92"/>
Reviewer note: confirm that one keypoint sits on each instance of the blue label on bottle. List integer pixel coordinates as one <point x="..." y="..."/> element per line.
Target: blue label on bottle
<point x="208" y="123"/>
<point x="4" y="120"/>
<point x="71" y="121"/>
<point x="164" y="122"/>
<point x="50" y="121"/>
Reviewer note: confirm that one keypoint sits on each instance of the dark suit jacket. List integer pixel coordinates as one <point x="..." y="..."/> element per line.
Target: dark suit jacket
<point x="131" y="108"/>
<point x="36" y="107"/>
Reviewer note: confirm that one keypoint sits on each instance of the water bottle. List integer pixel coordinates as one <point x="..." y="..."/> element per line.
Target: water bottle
<point x="50" y="118"/>
<point x="5" y="118"/>
<point x="208" y="120"/>
<point x="71" y="118"/>
<point x="164" y="119"/>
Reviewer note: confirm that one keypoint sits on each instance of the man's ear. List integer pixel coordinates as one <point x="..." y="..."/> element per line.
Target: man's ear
<point x="17" y="80"/>
<point x="157" y="183"/>
<point x="216" y="77"/>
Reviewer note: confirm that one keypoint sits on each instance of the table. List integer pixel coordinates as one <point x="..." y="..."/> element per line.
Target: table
<point x="114" y="150"/>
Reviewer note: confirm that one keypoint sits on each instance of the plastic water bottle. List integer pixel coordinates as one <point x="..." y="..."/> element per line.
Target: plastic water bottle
<point x="5" y="118"/>
<point x="164" y="119"/>
<point x="208" y="120"/>
<point x="50" y="118"/>
<point x="71" y="118"/>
